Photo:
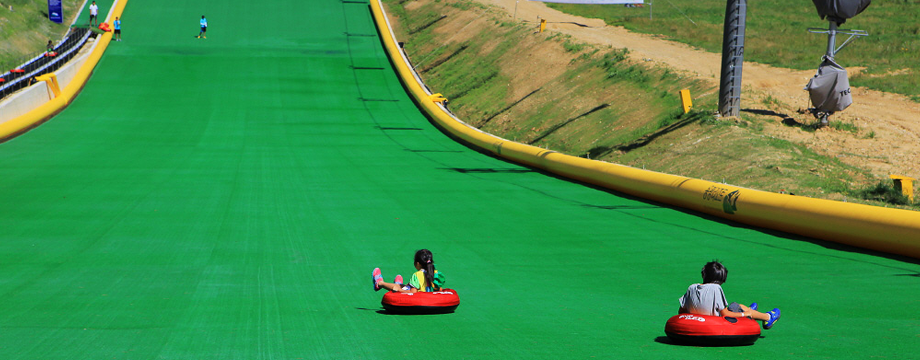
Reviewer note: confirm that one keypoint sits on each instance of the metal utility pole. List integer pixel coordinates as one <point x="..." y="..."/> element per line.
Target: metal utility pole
<point x="831" y="40"/>
<point x="732" y="58"/>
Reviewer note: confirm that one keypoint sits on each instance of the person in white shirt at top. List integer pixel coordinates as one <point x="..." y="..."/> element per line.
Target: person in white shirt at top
<point x="93" y="13"/>
<point x="204" y="28"/>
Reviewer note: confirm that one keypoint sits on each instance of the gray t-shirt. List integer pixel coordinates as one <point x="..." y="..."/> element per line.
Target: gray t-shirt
<point x="704" y="299"/>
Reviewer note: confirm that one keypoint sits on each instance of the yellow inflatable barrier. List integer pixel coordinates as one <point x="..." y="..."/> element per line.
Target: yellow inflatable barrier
<point x="882" y="229"/>
<point x="51" y="80"/>
<point x="44" y="112"/>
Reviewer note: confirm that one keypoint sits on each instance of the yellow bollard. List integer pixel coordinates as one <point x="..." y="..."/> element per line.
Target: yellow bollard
<point x="438" y="98"/>
<point x="905" y="184"/>
<point x="685" y="100"/>
<point x="52" y="82"/>
<point x="542" y="25"/>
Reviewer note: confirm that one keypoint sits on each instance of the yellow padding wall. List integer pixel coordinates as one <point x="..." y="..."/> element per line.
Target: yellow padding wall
<point x="47" y="110"/>
<point x="888" y="230"/>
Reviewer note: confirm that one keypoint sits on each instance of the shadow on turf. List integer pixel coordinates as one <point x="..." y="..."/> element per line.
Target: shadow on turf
<point x="667" y="341"/>
<point x="776" y="233"/>
<point x="384" y="312"/>
<point x="627" y="210"/>
<point x="650" y="204"/>
<point x="378" y="310"/>
<point x="490" y="170"/>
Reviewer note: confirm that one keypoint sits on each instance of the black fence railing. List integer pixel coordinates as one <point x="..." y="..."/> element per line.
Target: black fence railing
<point x="43" y="63"/>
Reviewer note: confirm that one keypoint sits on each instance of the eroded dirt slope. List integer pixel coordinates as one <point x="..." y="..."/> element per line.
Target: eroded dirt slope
<point x="888" y="139"/>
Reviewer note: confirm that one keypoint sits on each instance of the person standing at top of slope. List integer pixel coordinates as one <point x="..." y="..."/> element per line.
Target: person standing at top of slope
<point x="93" y="13"/>
<point x="117" y="32"/>
<point x="204" y="28"/>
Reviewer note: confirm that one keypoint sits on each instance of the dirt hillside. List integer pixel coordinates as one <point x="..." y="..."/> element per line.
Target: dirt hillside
<point x="888" y="139"/>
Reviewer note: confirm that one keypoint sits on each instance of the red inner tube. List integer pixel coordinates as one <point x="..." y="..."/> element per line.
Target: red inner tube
<point x="712" y="330"/>
<point x="437" y="302"/>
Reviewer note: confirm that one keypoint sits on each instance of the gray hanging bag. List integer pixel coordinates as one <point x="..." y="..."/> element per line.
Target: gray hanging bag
<point x="830" y="89"/>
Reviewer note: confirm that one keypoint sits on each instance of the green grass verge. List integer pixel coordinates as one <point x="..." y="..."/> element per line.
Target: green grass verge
<point x="25" y="30"/>
<point x="882" y="192"/>
<point x="776" y="34"/>
<point x="605" y="106"/>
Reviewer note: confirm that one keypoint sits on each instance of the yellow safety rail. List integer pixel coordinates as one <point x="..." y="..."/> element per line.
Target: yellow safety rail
<point x="883" y="229"/>
<point x="51" y="80"/>
<point x="44" y="112"/>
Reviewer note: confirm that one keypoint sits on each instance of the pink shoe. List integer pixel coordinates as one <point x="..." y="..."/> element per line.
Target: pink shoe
<point x="398" y="280"/>
<point x="377" y="279"/>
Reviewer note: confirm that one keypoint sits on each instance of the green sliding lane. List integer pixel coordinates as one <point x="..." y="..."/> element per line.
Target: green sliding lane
<point x="228" y="198"/>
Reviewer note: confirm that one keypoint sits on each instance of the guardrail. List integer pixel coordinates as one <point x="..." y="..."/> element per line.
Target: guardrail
<point x="40" y="113"/>
<point x="44" y="63"/>
<point x="888" y="230"/>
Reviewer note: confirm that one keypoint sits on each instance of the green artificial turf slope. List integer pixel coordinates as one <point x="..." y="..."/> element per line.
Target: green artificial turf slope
<point x="228" y="198"/>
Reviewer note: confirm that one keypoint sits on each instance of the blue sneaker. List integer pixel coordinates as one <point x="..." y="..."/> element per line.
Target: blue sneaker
<point x="377" y="278"/>
<point x="774" y="316"/>
<point x="753" y="306"/>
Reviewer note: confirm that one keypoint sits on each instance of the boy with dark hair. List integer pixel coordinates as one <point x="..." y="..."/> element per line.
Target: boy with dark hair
<point x="117" y="33"/>
<point x="709" y="299"/>
<point x="204" y="28"/>
<point x="93" y="13"/>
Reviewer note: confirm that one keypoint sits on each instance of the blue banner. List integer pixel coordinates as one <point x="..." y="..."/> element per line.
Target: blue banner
<point x="55" y="11"/>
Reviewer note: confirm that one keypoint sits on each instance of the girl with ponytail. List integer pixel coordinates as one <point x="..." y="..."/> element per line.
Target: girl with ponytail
<point x="425" y="279"/>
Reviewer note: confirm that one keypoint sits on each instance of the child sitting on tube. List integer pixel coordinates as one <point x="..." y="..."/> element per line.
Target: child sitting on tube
<point x="708" y="299"/>
<point x="425" y="279"/>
